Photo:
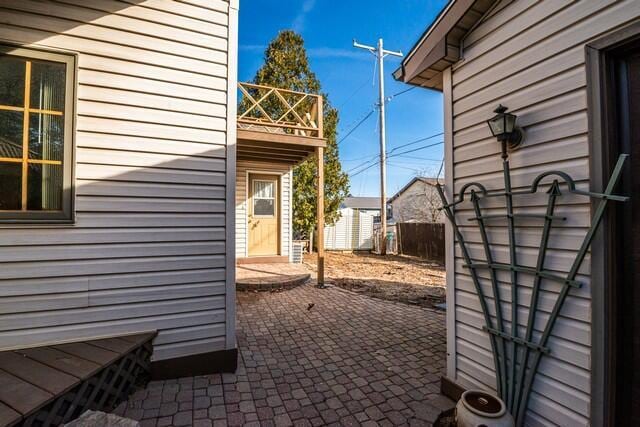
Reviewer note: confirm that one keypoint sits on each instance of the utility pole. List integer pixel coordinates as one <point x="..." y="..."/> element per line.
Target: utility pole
<point x="380" y="53"/>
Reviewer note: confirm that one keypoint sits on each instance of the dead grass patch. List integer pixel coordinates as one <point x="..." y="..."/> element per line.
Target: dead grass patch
<point x="391" y="277"/>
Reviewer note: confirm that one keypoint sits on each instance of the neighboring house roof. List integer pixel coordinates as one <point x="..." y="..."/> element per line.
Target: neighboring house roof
<point x="439" y="46"/>
<point x="361" y="203"/>
<point x="430" y="181"/>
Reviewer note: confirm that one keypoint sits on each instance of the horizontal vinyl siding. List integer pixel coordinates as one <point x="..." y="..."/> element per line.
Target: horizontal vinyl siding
<point x="147" y="251"/>
<point x="286" y="182"/>
<point x="530" y="57"/>
<point x="338" y="235"/>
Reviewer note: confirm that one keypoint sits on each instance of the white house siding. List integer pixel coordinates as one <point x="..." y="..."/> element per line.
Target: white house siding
<point x="286" y="179"/>
<point x="529" y="56"/>
<point x="147" y="250"/>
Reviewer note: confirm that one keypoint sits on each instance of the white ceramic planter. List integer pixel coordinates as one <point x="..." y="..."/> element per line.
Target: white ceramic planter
<point x="477" y="409"/>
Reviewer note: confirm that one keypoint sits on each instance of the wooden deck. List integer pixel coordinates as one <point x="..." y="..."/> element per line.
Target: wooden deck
<point x="53" y="384"/>
<point x="278" y="125"/>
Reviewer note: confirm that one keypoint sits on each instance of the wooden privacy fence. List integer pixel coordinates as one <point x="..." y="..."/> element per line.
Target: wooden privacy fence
<point x="421" y="239"/>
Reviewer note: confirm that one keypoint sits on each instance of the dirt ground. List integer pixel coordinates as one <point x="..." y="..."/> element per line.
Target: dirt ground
<point x="392" y="277"/>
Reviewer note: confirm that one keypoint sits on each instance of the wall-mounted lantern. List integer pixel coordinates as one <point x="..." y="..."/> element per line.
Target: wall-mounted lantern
<point x="503" y="127"/>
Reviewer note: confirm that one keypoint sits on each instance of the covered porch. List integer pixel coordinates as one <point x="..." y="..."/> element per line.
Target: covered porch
<point x="277" y="129"/>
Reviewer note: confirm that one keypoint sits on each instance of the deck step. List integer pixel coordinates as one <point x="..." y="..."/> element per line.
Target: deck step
<point x="52" y="385"/>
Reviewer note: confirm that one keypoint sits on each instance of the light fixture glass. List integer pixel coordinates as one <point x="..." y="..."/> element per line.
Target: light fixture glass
<point x="503" y="127"/>
<point x="502" y="124"/>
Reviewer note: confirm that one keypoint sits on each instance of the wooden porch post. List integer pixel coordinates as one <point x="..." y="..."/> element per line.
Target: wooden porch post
<point x="320" y="216"/>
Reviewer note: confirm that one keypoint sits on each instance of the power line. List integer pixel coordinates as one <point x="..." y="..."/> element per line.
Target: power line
<point x="352" y="122"/>
<point x="369" y="165"/>
<point x="391" y="155"/>
<point x="360" y="165"/>
<point x="357" y="125"/>
<point x="395" y="148"/>
<point x="367" y="168"/>
<point x="355" y="159"/>
<point x="353" y="94"/>
<point x="416" y="149"/>
<point x="398" y="165"/>
<point x="402" y="92"/>
<point x="418" y="159"/>
<point x="360" y="87"/>
<point x="426" y="138"/>
<point x="363" y="181"/>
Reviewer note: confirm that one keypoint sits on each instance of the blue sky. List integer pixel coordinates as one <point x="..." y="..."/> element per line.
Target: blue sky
<point x="347" y="76"/>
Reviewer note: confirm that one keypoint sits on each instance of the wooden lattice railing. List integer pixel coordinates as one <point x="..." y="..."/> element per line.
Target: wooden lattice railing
<point x="274" y="110"/>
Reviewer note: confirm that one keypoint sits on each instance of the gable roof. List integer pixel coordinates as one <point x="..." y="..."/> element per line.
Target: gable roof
<point x="439" y="46"/>
<point x="430" y="181"/>
<point x="361" y="203"/>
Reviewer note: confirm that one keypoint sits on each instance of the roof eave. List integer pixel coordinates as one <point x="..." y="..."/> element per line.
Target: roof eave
<point x="436" y="51"/>
<point x="410" y="183"/>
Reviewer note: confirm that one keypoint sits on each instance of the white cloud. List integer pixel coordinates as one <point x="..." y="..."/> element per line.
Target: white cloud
<point x="299" y="20"/>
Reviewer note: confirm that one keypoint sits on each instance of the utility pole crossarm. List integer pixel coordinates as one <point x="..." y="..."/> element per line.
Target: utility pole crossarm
<point x="380" y="53"/>
<point x="374" y="50"/>
<point x="364" y="46"/>
<point x="392" y="53"/>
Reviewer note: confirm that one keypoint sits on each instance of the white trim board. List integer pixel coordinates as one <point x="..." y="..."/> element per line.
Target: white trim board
<point x="230" y="211"/>
<point x="280" y="200"/>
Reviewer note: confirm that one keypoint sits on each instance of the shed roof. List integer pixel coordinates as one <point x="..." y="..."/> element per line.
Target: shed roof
<point x="361" y="202"/>
<point x="439" y="46"/>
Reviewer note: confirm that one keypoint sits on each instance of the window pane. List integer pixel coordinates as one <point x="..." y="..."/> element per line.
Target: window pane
<point x="263" y="207"/>
<point x="46" y="137"/>
<point x="10" y="186"/>
<point x="263" y="189"/>
<point x="44" y="188"/>
<point x="11" y="125"/>
<point x="47" y="85"/>
<point x="12" y="81"/>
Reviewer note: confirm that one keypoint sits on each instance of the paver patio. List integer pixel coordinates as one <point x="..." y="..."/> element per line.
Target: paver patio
<point x="312" y="357"/>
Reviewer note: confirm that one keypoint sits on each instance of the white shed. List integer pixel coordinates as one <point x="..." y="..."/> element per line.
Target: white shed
<point x="354" y="229"/>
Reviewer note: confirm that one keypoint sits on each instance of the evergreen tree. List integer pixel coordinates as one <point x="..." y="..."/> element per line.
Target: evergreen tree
<point x="286" y="66"/>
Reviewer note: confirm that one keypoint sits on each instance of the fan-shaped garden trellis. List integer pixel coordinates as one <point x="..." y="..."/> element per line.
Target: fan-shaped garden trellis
<point x="516" y="356"/>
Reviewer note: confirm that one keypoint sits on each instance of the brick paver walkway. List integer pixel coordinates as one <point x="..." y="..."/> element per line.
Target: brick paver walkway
<point x="314" y="357"/>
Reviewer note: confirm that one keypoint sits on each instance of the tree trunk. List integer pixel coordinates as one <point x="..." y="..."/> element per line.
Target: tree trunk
<point x="311" y="240"/>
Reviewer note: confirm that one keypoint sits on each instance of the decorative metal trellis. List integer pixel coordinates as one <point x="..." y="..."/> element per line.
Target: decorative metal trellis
<point x="516" y="356"/>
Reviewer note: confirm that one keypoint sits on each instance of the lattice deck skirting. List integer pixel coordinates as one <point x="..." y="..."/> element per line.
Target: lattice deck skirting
<point x="56" y="384"/>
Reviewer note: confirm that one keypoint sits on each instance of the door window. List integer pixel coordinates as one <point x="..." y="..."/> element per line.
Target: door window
<point x="264" y="199"/>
